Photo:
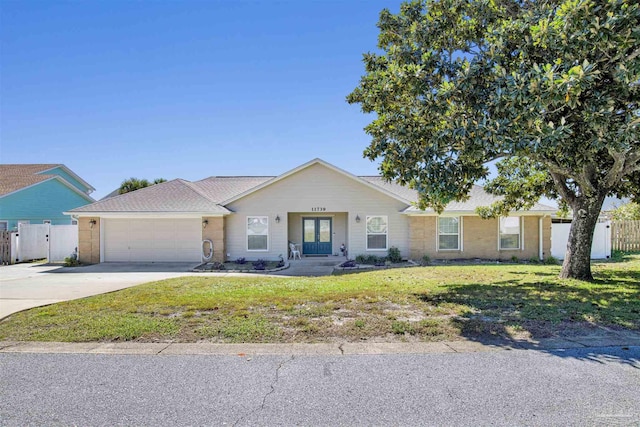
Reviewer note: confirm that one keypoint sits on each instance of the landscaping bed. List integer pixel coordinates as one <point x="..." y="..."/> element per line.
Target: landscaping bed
<point x="405" y="304"/>
<point x="242" y="266"/>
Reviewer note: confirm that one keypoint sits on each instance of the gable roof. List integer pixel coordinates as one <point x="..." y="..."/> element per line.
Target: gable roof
<point x="316" y="161"/>
<point x="222" y="188"/>
<point x="477" y="197"/>
<point x="16" y="177"/>
<point x="176" y="196"/>
<point x="210" y="195"/>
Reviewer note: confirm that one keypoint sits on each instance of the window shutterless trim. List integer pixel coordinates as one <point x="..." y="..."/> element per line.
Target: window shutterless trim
<point x="459" y="234"/>
<point x="367" y="234"/>
<point x="520" y="234"/>
<point x="246" y="230"/>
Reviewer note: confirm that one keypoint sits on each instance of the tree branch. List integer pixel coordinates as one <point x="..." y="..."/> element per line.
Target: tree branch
<point x="556" y="168"/>
<point x="561" y="184"/>
<point x="623" y="163"/>
<point x="633" y="55"/>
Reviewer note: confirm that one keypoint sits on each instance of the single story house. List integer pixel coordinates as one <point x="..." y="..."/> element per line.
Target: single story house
<point x="39" y="194"/>
<point x="316" y="205"/>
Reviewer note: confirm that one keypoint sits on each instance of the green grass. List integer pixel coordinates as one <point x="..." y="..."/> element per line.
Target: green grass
<point x="421" y="303"/>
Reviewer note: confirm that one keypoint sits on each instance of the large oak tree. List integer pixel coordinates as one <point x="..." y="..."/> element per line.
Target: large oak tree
<point x="547" y="89"/>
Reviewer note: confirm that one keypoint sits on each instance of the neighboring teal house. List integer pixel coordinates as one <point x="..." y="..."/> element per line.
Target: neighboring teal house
<point x="39" y="194"/>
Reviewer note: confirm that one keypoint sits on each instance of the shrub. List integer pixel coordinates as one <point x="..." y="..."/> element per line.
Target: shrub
<point x="515" y="259"/>
<point x="260" y="265"/>
<point x="551" y="260"/>
<point x="349" y="264"/>
<point x="426" y="260"/>
<point x="394" y="255"/>
<point x="241" y="261"/>
<point x="372" y="259"/>
<point x="71" y="262"/>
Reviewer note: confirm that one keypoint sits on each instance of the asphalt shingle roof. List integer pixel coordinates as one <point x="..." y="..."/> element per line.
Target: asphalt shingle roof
<point x="208" y="195"/>
<point x="172" y="196"/>
<point x="15" y="177"/>
<point x="221" y="188"/>
<point x="477" y="197"/>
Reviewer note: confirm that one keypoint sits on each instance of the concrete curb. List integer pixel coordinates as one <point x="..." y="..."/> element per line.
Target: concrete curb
<point x="252" y="349"/>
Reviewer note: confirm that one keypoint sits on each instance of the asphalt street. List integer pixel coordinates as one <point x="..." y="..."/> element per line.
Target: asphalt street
<point x="581" y="387"/>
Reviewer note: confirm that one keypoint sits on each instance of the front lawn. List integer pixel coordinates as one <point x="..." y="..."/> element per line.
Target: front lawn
<point x="420" y="303"/>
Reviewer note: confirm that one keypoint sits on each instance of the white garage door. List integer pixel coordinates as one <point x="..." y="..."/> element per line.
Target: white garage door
<point x="157" y="240"/>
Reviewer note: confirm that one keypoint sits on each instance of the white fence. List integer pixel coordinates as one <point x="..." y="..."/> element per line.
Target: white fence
<point x="600" y="249"/>
<point x="40" y="241"/>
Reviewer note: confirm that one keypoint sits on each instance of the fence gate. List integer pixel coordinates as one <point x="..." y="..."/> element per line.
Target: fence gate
<point x="33" y="241"/>
<point x="45" y="241"/>
<point x="7" y="247"/>
<point x="600" y="248"/>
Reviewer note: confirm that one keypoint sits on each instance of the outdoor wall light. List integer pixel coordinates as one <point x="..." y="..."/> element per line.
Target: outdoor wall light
<point x="205" y="222"/>
<point x="92" y="222"/>
<point x="278" y="219"/>
<point x="357" y="218"/>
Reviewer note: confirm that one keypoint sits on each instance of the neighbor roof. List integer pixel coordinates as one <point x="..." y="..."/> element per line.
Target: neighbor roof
<point x="15" y="177"/>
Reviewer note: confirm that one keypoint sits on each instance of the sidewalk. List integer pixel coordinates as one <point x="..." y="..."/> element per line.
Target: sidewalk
<point x="624" y="339"/>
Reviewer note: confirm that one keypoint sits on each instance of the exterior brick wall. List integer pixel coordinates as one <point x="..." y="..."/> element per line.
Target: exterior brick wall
<point x="215" y="232"/>
<point x="480" y="239"/>
<point x="88" y="241"/>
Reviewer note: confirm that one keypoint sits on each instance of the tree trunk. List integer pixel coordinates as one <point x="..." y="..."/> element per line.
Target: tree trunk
<point x="577" y="260"/>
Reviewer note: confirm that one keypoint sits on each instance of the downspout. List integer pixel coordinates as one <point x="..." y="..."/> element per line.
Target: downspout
<point x="540" y="244"/>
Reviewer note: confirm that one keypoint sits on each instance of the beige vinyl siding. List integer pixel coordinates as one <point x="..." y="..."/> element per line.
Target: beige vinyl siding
<point x="316" y="187"/>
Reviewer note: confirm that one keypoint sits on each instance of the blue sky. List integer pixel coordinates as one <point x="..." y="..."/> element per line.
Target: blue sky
<point x="183" y="89"/>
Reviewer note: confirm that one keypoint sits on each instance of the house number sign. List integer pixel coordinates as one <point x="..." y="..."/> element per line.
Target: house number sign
<point x="318" y="209"/>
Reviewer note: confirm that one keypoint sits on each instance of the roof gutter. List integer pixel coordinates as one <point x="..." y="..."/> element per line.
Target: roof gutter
<point x="147" y="214"/>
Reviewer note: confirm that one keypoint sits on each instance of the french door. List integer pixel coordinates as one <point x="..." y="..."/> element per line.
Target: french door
<point x="317" y="234"/>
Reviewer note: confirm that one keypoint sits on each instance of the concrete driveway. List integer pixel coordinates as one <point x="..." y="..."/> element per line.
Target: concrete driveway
<point x="25" y="286"/>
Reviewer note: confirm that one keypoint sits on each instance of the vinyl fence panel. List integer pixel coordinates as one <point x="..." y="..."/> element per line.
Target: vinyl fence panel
<point x="600" y="249"/>
<point x="63" y="241"/>
<point x="33" y="241"/>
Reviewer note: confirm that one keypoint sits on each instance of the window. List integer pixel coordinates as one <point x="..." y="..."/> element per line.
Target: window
<point x="74" y="222"/>
<point x="377" y="233"/>
<point x="4" y="225"/>
<point x="510" y="232"/>
<point x="448" y="234"/>
<point x="257" y="233"/>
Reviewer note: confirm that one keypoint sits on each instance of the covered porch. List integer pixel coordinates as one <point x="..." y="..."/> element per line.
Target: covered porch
<point x="319" y="234"/>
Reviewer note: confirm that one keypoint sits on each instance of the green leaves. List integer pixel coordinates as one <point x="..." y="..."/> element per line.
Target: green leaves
<point x="461" y="83"/>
